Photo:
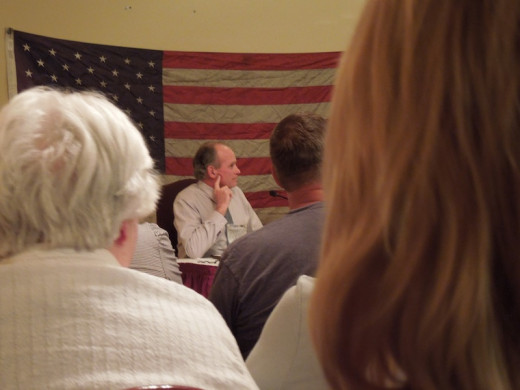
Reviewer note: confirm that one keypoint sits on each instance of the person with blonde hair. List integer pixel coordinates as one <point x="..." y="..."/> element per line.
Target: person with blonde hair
<point x="75" y="178"/>
<point x="418" y="281"/>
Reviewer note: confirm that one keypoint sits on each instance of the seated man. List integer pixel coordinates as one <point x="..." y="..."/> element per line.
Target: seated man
<point x="213" y="212"/>
<point x="154" y="253"/>
<point x="257" y="269"/>
<point x="75" y="177"/>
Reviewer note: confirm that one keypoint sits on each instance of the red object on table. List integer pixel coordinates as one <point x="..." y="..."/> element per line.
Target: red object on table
<point x="198" y="274"/>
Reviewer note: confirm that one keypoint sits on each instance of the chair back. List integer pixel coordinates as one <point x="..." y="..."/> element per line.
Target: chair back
<point x="164" y="212"/>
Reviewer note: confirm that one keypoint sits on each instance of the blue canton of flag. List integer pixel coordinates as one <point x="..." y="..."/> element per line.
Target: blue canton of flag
<point x="131" y="78"/>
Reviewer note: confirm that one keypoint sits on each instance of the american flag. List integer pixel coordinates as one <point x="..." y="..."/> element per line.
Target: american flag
<point x="181" y="99"/>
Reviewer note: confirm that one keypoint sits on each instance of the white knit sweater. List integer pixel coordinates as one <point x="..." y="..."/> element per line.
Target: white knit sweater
<point x="72" y="320"/>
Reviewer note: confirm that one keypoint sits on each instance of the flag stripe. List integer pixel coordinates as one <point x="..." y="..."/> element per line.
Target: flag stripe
<point x="212" y="113"/>
<point x="245" y="96"/>
<point x="242" y="148"/>
<point x="224" y="78"/>
<point x="183" y="166"/>
<point x="262" y="199"/>
<point x="224" y="131"/>
<point x="249" y="61"/>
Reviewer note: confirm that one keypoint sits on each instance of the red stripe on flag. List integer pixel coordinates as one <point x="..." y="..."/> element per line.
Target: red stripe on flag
<point x="249" y="61"/>
<point x="262" y="199"/>
<point x="183" y="166"/>
<point x="246" y="96"/>
<point x="221" y="131"/>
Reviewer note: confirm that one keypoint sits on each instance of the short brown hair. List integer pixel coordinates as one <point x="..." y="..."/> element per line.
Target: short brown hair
<point x="296" y="148"/>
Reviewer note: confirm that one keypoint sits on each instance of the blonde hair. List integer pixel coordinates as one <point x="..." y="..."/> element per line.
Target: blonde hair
<point x="72" y="168"/>
<point x="418" y="282"/>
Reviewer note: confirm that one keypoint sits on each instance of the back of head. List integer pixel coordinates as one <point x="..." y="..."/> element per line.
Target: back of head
<point x="72" y="168"/>
<point x="206" y="155"/>
<point x="296" y="148"/>
<point x="418" y="282"/>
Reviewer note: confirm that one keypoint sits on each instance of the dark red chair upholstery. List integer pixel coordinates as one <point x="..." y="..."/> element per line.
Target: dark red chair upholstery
<point x="164" y="213"/>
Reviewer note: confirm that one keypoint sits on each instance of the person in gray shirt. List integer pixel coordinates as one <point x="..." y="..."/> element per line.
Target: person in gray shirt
<point x="258" y="268"/>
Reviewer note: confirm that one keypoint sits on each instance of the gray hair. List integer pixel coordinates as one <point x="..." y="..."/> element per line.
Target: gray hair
<point x="72" y="168"/>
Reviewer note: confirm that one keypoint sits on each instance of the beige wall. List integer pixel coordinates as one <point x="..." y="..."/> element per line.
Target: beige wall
<point x="268" y="26"/>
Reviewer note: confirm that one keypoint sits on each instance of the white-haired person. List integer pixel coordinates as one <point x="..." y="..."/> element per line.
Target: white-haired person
<point x="75" y="177"/>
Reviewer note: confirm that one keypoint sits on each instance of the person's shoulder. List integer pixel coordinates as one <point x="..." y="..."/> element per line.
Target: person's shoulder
<point x="262" y="236"/>
<point x="314" y="208"/>
<point x="242" y="248"/>
<point x="162" y="288"/>
<point x="305" y="285"/>
<point x="189" y="194"/>
<point x="194" y="187"/>
<point x="143" y="229"/>
<point x="249" y="246"/>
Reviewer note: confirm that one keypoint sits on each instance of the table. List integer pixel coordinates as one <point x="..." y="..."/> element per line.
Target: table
<point x="198" y="274"/>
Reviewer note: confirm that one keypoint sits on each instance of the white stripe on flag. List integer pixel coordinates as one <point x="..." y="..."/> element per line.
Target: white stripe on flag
<point x="248" y="78"/>
<point x="213" y="113"/>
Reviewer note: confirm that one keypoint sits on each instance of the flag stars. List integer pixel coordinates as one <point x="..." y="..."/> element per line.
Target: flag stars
<point x="128" y="112"/>
<point x="26" y="47"/>
<point x="115" y="72"/>
<point x="151" y="88"/>
<point x="152" y="113"/>
<point x="103" y="84"/>
<point x="54" y="78"/>
<point x="40" y="63"/>
<point x="115" y="97"/>
<point x="127" y="86"/>
<point x="78" y="81"/>
<point x="90" y="70"/>
<point x="151" y="64"/>
<point x="140" y="100"/>
<point x="141" y="126"/>
<point x="28" y="73"/>
<point x="52" y="52"/>
<point x="77" y="56"/>
<point x="139" y="75"/>
<point x="65" y="67"/>
<point x="127" y="61"/>
<point x="102" y="59"/>
<point x="152" y="138"/>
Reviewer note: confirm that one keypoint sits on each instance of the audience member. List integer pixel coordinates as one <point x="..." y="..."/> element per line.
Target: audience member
<point x="213" y="212"/>
<point x="418" y="285"/>
<point x="154" y="253"/>
<point x="75" y="177"/>
<point x="257" y="269"/>
<point x="284" y="357"/>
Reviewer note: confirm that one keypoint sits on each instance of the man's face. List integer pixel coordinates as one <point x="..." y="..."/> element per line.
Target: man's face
<point x="228" y="169"/>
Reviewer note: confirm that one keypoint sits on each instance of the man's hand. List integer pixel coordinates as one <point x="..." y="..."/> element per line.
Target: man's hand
<point x="222" y="196"/>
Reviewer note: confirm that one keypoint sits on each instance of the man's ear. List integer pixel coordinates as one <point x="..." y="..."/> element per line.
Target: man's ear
<point x="212" y="172"/>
